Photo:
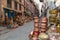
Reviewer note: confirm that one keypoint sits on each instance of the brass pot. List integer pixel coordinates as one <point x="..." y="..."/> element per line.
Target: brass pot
<point x="54" y="11"/>
<point x="53" y="15"/>
<point x="43" y="36"/>
<point x="35" y="20"/>
<point x="43" y="19"/>
<point x="36" y="24"/>
<point x="58" y="28"/>
<point x="52" y="19"/>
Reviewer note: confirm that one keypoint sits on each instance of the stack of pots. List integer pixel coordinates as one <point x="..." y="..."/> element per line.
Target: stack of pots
<point x="36" y="26"/>
<point x="43" y="24"/>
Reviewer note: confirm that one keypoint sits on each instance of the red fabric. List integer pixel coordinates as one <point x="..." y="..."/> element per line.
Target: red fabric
<point x="36" y="32"/>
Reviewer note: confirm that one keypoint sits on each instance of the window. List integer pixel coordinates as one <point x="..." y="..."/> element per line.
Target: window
<point x="15" y="6"/>
<point x="9" y="3"/>
<point x="19" y="6"/>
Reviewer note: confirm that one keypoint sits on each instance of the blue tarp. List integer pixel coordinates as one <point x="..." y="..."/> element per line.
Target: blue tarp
<point x="10" y="14"/>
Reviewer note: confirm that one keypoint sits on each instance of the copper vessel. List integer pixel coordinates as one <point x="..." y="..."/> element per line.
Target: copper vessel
<point x="36" y="24"/>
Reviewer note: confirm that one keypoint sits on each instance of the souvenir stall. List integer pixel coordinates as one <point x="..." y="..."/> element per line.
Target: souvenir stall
<point x="45" y="31"/>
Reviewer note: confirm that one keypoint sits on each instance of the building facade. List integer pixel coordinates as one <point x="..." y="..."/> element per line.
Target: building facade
<point x="15" y="7"/>
<point x="12" y="6"/>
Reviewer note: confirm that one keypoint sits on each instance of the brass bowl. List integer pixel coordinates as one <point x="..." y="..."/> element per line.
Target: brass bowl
<point x="53" y="15"/>
<point x="55" y="11"/>
<point x="43" y="36"/>
<point x="52" y="19"/>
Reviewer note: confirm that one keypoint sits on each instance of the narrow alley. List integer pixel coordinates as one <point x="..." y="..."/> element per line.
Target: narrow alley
<point x="29" y="19"/>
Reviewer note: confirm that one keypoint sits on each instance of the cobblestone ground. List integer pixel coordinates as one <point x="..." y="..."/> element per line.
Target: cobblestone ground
<point x="20" y="33"/>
